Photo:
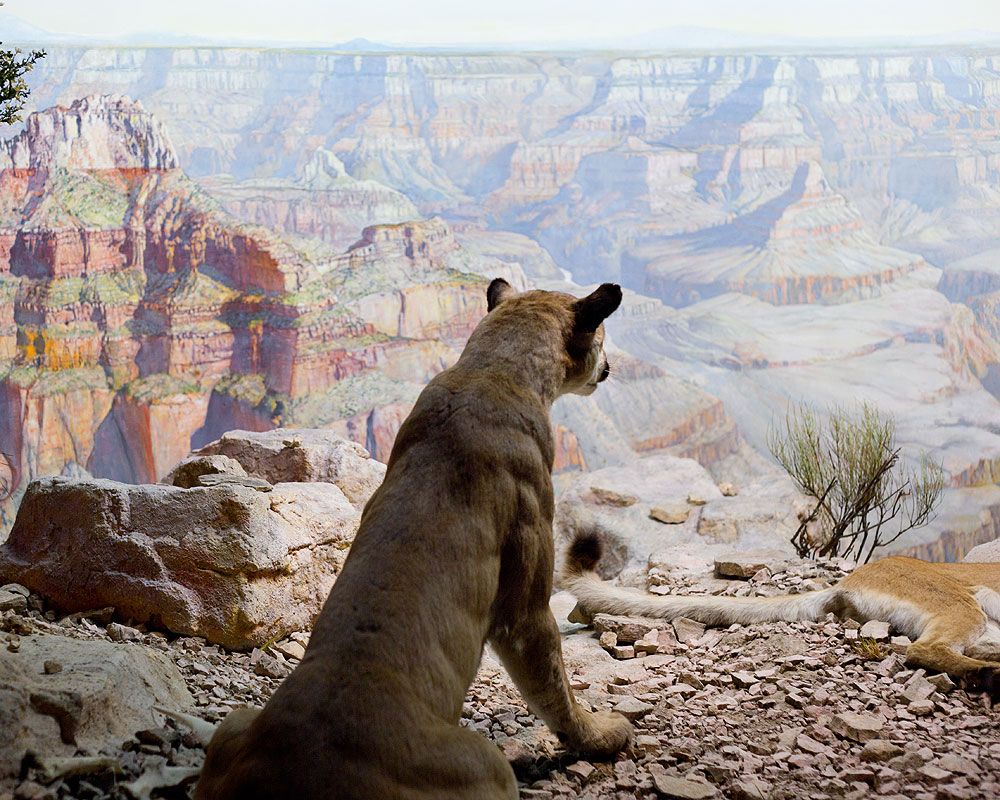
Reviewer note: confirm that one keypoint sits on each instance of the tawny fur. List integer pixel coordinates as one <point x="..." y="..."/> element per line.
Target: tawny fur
<point x="454" y="549"/>
<point x="950" y="611"/>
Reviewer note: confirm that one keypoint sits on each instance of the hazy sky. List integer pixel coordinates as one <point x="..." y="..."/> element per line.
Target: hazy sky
<point x="427" y="21"/>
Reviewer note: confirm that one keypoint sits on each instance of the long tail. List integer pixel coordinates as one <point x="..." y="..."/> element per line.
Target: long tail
<point x="598" y="597"/>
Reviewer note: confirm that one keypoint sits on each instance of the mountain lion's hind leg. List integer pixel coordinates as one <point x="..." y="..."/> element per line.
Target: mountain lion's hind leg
<point x="532" y="653"/>
<point x="939" y="649"/>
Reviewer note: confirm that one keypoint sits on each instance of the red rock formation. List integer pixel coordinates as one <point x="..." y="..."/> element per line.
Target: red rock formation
<point x="132" y="296"/>
<point x="569" y="457"/>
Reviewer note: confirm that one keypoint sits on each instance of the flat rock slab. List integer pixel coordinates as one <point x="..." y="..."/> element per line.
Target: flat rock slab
<point x="684" y="788"/>
<point x="627" y="630"/>
<point x="187" y="473"/>
<point x="235" y="565"/>
<point x="859" y="727"/>
<point x="748" y="563"/>
<point x="875" y="629"/>
<point x="100" y="695"/>
<point x="303" y="455"/>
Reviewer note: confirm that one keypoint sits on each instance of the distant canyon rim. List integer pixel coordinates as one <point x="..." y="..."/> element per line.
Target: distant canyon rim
<point x="199" y="239"/>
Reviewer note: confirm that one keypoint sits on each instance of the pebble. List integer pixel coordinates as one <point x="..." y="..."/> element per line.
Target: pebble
<point x="714" y="704"/>
<point x="123" y="633"/>
<point x="684" y="788"/>
<point x="670" y="515"/>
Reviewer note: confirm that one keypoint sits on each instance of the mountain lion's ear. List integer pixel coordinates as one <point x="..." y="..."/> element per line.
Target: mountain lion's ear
<point x="498" y="291"/>
<point x="597" y="306"/>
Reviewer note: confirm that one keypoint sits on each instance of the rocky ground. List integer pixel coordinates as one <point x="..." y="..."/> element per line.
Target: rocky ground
<point x="763" y="711"/>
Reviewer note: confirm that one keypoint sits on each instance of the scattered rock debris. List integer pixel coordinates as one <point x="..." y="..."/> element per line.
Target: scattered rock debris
<point x="776" y="711"/>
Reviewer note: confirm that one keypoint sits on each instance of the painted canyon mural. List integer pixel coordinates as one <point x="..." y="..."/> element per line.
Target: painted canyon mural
<point x="200" y="239"/>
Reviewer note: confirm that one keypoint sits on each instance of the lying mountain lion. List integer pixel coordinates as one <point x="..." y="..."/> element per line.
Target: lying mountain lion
<point x="455" y="549"/>
<point x="951" y="611"/>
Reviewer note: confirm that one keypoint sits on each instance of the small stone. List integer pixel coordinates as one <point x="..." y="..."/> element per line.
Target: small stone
<point x="648" y="644"/>
<point x="696" y="500"/>
<point x="644" y="743"/>
<point x="691" y="680"/>
<point x="608" y="640"/>
<point x="123" y="633"/>
<point x="934" y="774"/>
<point x="289" y="649"/>
<point x="626" y="629"/>
<point x="787" y="737"/>
<point x="954" y="763"/>
<point x="875" y="629"/>
<point x="859" y="727"/>
<point x="921" y="708"/>
<point x="517" y="752"/>
<point x="743" y="679"/>
<point x="744" y="564"/>
<point x="750" y="788"/>
<point x="269" y="667"/>
<point x="890" y="666"/>
<point x="12" y="601"/>
<point x="880" y="751"/>
<point x="728" y="489"/>
<point x="684" y="788"/>
<point x="900" y="644"/>
<point x="609" y="497"/>
<point x="16" y="588"/>
<point x="809" y="744"/>
<point x="632" y="708"/>
<point x="851" y="634"/>
<point x="670" y="515"/>
<point x="942" y="682"/>
<point x="52" y="667"/>
<point x="581" y="769"/>
<point x="623" y="651"/>
<point x="916" y="688"/>
<point x="687" y="630"/>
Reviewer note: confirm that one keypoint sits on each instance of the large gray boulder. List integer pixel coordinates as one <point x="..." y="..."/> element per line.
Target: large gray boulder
<point x="287" y="455"/>
<point x="227" y="562"/>
<point x="60" y="695"/>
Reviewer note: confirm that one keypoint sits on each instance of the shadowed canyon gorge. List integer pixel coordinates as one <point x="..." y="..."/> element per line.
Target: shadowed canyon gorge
<point x="200" y="239"/>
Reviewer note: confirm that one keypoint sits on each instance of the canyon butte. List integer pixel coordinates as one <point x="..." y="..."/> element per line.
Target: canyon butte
<point x="200" y="239"/>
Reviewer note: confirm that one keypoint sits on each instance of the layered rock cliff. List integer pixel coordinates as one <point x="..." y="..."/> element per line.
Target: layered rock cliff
<point x="140" y="319"/>
<point x="797" y="227"/>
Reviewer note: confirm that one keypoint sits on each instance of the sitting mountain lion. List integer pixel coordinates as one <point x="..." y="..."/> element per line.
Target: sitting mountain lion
<point x="455" y="549"/>
<point x="951" y="611"/>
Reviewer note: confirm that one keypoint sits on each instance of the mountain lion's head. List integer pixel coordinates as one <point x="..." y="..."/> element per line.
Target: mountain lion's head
<point x="579" y="324"/>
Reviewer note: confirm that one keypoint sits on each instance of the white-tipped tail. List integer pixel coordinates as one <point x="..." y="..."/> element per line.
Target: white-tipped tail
<point x="598" y="597"/>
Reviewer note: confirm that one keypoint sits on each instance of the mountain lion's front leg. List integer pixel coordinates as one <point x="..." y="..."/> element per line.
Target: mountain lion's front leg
<point x="532" y="653"/>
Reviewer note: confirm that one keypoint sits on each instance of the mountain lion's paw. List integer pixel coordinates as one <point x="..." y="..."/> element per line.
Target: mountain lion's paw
<point x="601" y="733"/>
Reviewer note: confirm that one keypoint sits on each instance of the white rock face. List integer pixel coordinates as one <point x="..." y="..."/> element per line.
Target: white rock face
<point x="97" y="132"/>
